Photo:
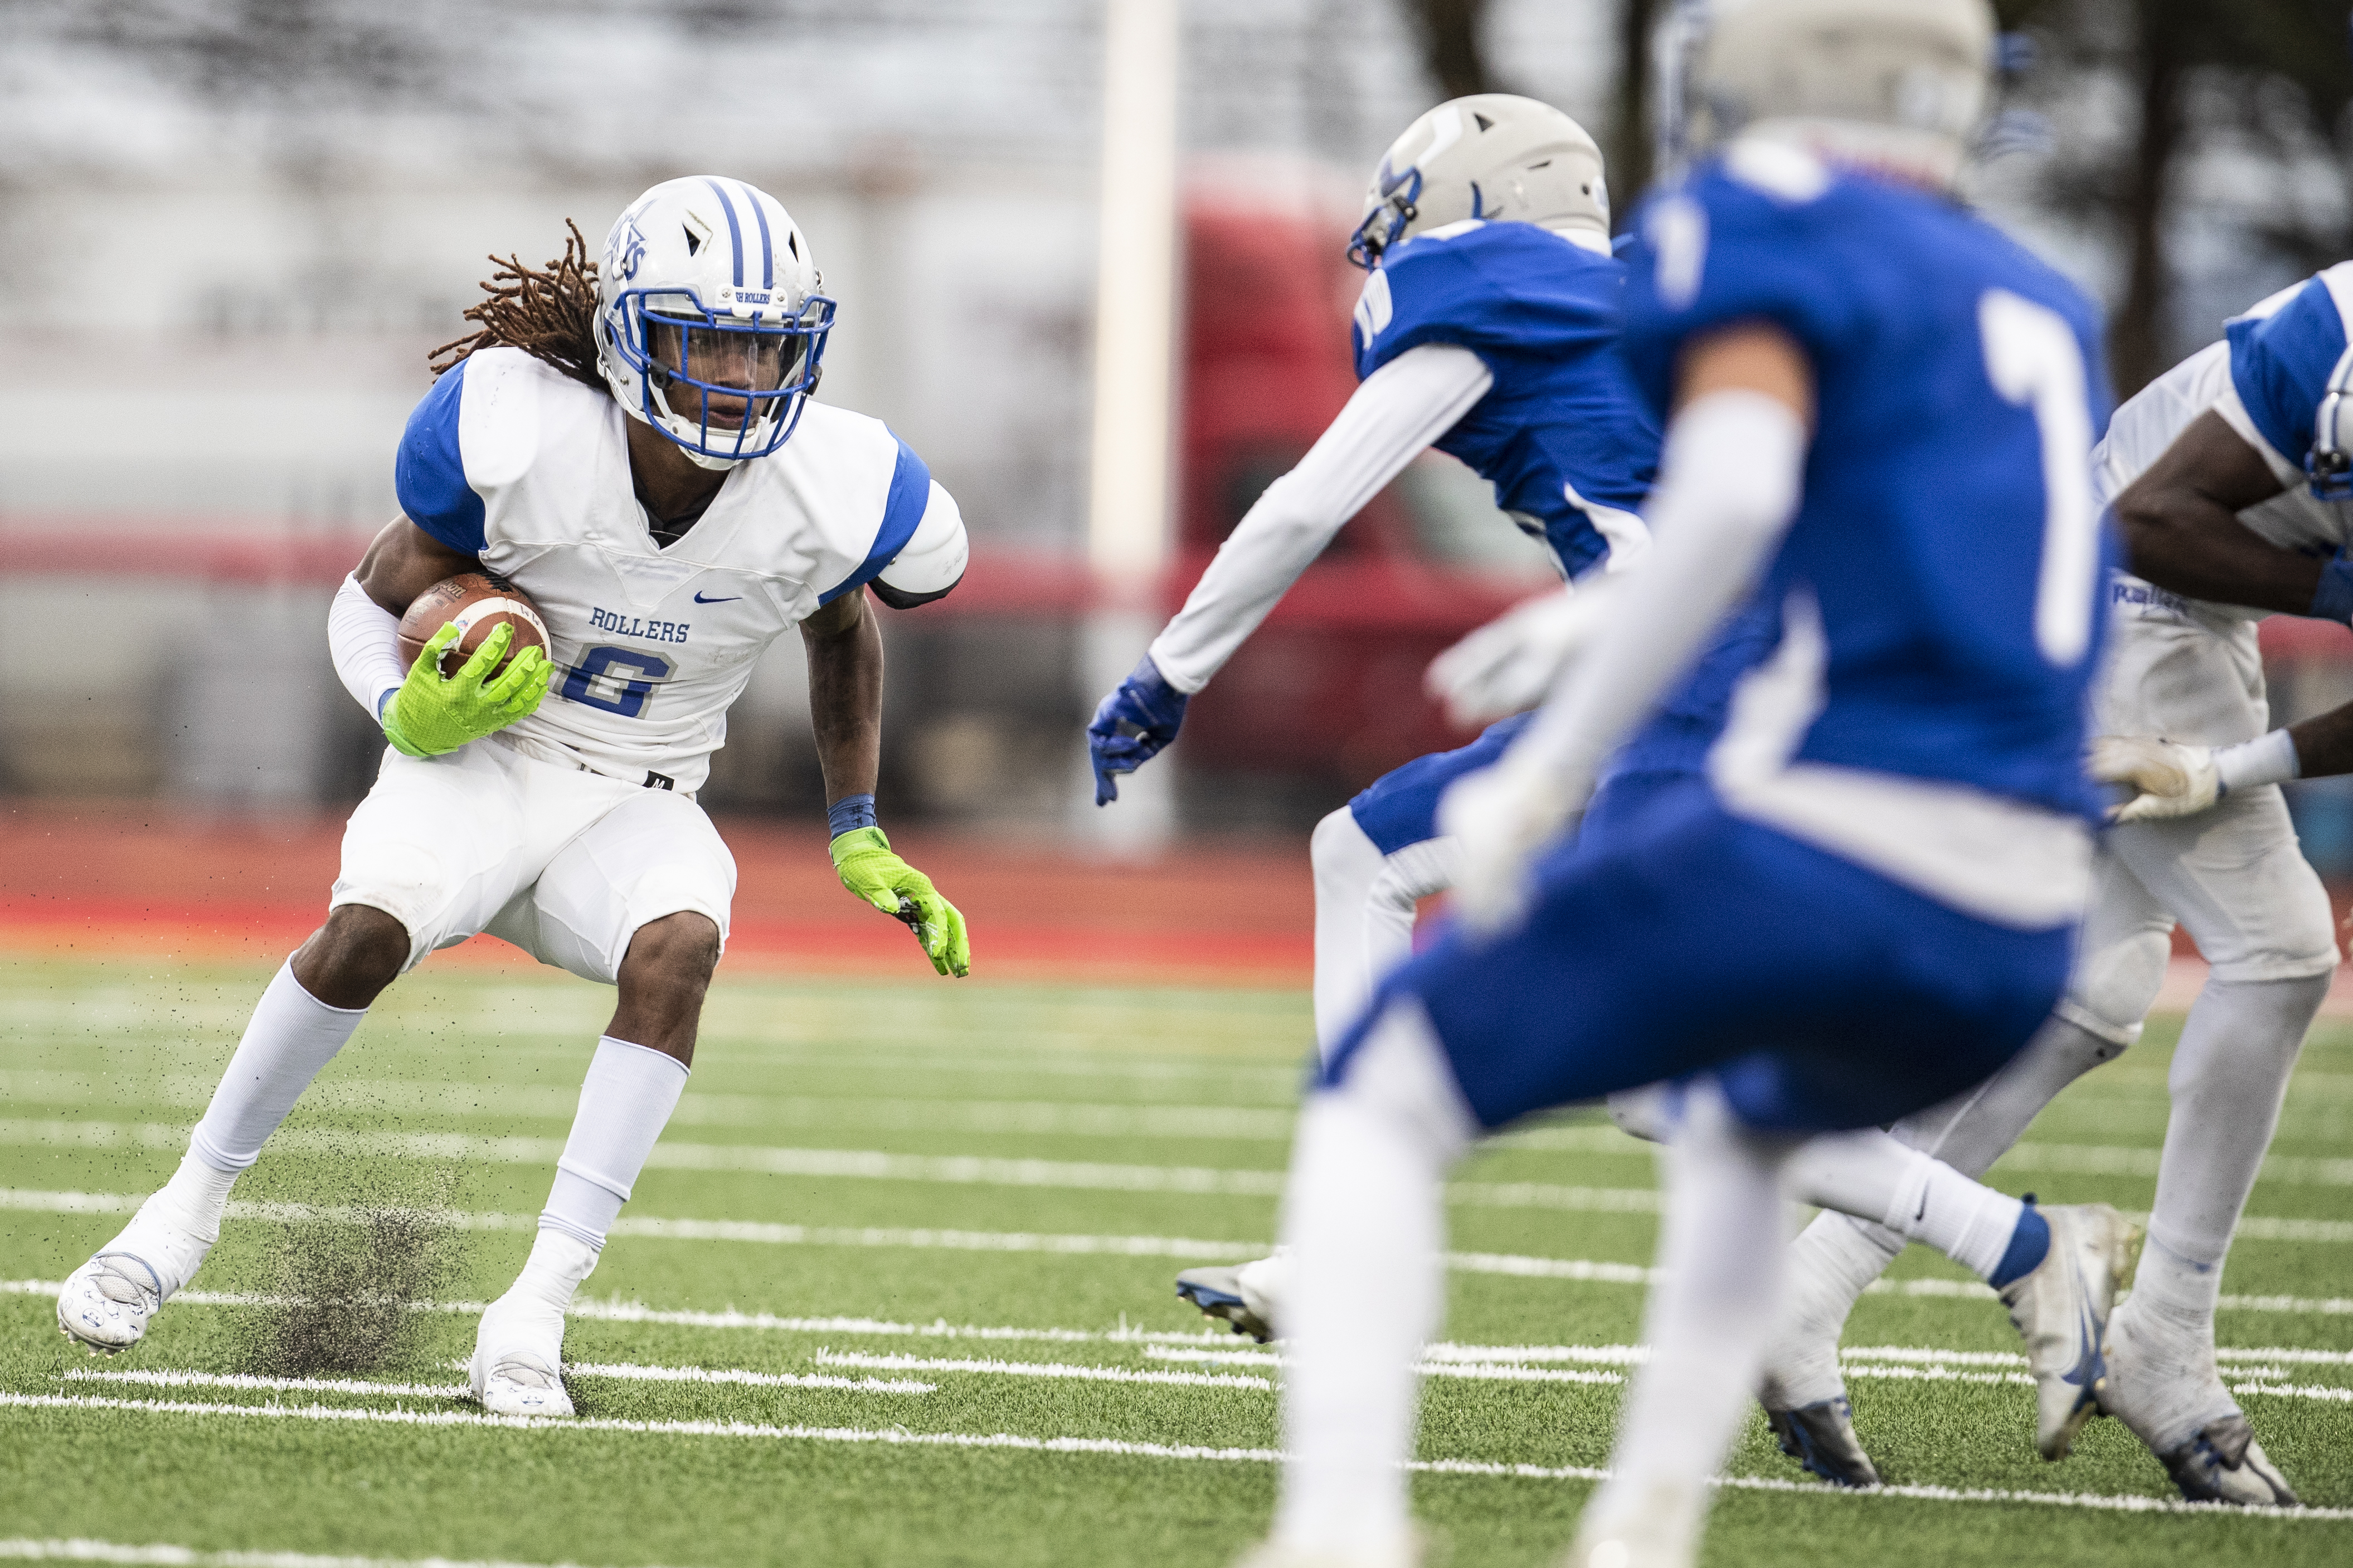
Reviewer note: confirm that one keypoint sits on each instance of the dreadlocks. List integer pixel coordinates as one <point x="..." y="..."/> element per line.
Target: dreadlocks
<point x="550" y="313"/>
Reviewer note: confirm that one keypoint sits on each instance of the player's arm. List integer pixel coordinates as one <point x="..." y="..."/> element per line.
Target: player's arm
<point x="1397" y="412"/>
<point x="1730" y="478"/>
<point x="2181" y="529"/>
<point x="844" y="644"/>
<point x="424" y="713"/>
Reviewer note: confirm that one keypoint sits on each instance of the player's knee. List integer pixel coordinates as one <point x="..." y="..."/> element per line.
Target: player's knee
<point x="1341" y="853"/>
<point x="673" y="956"/>
<point x="2112" y="988"/>
<point x="350" y="959"/>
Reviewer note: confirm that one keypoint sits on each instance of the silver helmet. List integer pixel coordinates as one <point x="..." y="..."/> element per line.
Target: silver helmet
<point x="1899" y="84"/>
<point x="1490" y="155"/>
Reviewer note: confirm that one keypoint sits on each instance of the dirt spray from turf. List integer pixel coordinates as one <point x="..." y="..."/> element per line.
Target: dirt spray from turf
<point x="348" y="1291"/>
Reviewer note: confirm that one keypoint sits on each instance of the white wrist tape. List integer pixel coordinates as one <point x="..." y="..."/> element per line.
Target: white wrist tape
<point x="2268" y="759"/>
<point x="365" y="638"/>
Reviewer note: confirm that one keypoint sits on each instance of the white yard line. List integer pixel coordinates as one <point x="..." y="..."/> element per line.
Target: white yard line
<point x="1190" y="1248"/>
<point x="164" y="1378"/>
<point x="896" y="1436"/>
<point x="1264" y="1124"/>
<point x="22" y="1550"/>
<point x="1077" y="1372"/>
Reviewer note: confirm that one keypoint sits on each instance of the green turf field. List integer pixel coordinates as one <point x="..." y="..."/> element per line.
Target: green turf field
<point x="920" y="1237"/>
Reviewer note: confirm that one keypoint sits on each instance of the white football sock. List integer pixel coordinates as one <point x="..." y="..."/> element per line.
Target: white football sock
<point x="1831" y="1263"/>
<point x="1873" y="1177"/>
<point x="551" y="1276"/>
<point x="1706" y="1324"/>
<point x="2229" y="1073"/>
<point x="1837" y="1256"/>
<point x="194" y="1199"/>
<point x="1364" y="1220"/>
<point x="625" y="1102"/>
<point x="1364" y="915"/>
<point x="291" y="1036"/>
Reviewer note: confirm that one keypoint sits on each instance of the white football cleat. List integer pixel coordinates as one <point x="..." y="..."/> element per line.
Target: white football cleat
<point x="518" y="1364"/>
<point x="1242" y="1294"/>
<point x="107" y="1302"/>
<point x="2060" y="1306"/>
<point x="2165" y="1389"/>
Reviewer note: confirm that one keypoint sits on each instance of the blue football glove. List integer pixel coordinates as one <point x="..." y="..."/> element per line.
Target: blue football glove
<point x="2333" y="599"/>
<point x="1132" y="725"/>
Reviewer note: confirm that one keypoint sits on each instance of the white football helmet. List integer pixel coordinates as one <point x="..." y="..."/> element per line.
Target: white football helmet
<point x="1490" y="155"/>
<point x="1893" y="84"/>
<point x="710" y="325"/>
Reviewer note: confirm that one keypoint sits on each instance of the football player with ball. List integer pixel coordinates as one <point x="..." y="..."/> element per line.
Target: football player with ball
<point x="627" y="459"/>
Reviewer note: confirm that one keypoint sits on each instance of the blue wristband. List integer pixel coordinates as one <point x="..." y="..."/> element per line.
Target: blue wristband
<point x="2333" y="600"/>
<point x="849" y="814"/>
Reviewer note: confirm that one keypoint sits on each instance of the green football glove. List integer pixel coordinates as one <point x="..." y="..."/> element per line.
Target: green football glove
<point x="429" y="715"/>
<point x="869" y="869"/>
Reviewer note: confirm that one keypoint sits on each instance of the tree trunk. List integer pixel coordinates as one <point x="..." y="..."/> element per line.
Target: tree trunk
<point x="1450" y="45"/>
<point x="1631" y="139"/>
<point x="2137" y="345"/>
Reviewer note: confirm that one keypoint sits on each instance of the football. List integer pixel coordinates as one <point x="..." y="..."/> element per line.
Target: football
<point x="479" y="604"/>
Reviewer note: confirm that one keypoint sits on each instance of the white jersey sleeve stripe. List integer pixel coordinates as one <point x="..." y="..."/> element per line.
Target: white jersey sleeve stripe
<point x="910" y="496"/>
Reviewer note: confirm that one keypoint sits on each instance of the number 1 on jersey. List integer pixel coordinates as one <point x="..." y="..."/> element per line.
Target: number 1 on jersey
<point x="2033" y="360"/>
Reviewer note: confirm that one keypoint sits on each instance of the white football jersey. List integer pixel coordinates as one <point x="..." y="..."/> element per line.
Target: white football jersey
<point x="2152" y="420"/>
<point x="512" y="461"/>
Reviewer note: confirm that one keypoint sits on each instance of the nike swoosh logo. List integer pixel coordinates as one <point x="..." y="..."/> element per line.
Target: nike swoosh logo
<point x="729" y="599"/>
<point x="2089" y="1363"/>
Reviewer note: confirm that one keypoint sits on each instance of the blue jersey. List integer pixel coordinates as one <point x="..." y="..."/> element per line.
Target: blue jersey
<point x="1956" y="587"/>
<point x="2282" y="353"/>
<point x="1561" y="435"/>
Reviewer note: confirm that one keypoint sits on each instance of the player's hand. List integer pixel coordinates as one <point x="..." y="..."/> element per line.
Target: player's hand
<point x="2166" y="778"/>
<point x="431" y="715"/>
<point x="1132" y="725"/>
<point x="1502" y="817"/>
<point x="871" y="871"/>
<point x="1513" y="662"/>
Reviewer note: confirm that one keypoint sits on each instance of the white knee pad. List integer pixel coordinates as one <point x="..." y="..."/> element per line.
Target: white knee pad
<point x="2112" y="988"/>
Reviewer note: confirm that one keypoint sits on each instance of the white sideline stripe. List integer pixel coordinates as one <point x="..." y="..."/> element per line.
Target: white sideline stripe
<point x="1113" y="1446"/>
<point x="1263" y="1124"/>
<point x="1197" y="1250"/>
<point x="22" y="1549"/>
<point x="915" y="1114"/>
<point x="165" y="1378"/>
<point x="1072" y="1370"/>
<point x="853" y="1165"/>
<point x="968" y="1170"/>
<point x="2084" y="1159"/>
<point x="630" y="1371"/>
<point x="1500" y="1369"/>
<point x="160" y="1377"/>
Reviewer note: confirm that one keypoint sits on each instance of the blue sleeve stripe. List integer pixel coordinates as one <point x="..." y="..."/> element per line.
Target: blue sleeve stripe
<point x="734" y="229"/>
<point x="2280" y="365"/>
<point x="428" y="474"/>
<point x="902" y="510"/>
